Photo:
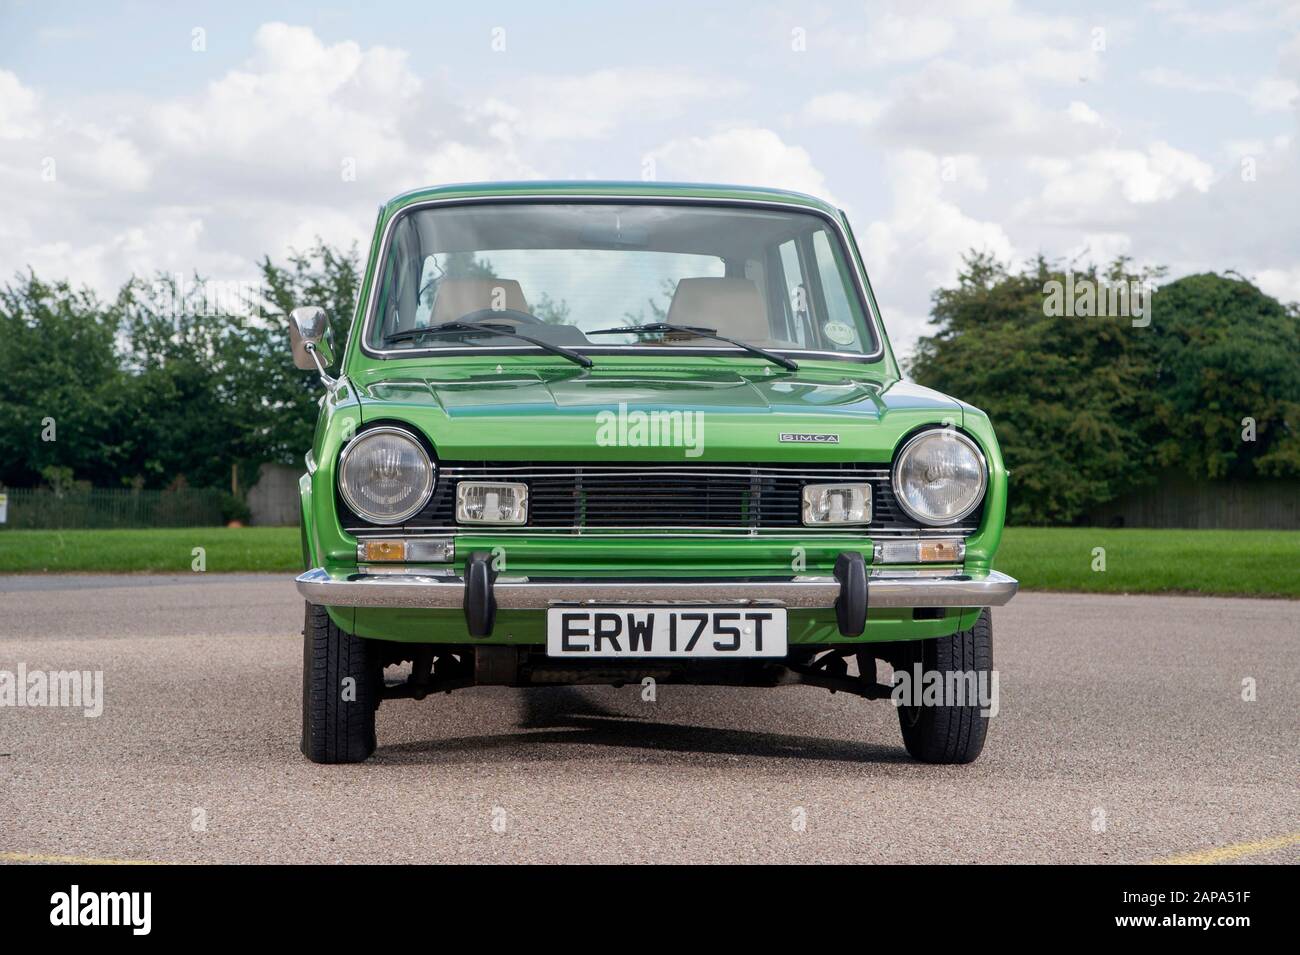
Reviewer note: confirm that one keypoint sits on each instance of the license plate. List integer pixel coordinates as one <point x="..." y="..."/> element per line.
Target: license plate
<point x="665" y="632"/>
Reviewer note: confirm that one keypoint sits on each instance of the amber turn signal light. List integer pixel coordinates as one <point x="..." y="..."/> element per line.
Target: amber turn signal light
<point x="379" y="550"/>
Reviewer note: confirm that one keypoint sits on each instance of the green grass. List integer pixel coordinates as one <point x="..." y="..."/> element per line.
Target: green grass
<point x="1262" y="563"/>
<point x="226" y="549"/>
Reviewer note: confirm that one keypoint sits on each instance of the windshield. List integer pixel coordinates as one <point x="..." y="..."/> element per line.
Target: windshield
<point x="557" y="271"/>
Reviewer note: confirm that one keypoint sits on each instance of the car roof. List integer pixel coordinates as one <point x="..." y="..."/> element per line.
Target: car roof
<point x="601" y="188"/>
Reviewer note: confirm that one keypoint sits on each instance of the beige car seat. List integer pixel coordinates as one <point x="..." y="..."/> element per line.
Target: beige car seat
<point x="732" y="306"/>
<point x="459" y="297"/>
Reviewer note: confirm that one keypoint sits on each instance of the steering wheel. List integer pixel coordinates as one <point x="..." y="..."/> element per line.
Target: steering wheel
<point x="498" y="314"/>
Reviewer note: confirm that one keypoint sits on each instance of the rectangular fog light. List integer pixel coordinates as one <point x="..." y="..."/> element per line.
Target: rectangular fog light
<point x="837" y="504"/>
<point x="478" y="502"/>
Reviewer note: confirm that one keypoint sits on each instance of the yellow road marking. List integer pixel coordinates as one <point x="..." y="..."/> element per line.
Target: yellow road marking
<point x="1205" y="857"/>
<point x="1228" y="853"/>
<point x="81" y="860"/>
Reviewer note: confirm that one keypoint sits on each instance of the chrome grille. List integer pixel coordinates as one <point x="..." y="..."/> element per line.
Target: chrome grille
<point x="678" y="498"/>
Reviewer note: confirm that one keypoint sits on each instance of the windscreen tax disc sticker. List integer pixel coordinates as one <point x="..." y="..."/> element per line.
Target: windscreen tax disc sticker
<point x="839" y="333"/>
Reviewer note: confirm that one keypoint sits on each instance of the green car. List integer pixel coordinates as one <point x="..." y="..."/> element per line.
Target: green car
<point x="636" y="433"/>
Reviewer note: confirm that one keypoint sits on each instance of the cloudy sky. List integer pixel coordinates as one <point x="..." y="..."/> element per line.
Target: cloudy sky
<point x="138" y="137"/>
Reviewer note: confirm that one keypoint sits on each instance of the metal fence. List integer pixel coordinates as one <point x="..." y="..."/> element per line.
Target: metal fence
<point x="103" y="508"/>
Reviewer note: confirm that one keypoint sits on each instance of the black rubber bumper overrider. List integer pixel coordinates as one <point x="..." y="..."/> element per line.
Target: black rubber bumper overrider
<point x="851" y="604"/>
<point x="480" y="602"/>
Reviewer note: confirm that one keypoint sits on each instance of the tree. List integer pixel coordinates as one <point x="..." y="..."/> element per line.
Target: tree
<point x="176" y="364"/>
<point x="1064" y="394"/>
<point x="1089" y="408"/>
<point x="322" y="276"/>
<point x="552" y="311"/>
<point x="63" y="401"/>
<point x="1226" y="353"/>
<point x="658" y="309"/>
<point x="163" y="381"/>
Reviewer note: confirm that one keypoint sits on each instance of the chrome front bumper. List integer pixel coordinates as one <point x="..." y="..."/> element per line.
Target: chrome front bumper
<point x="432" y="590"/>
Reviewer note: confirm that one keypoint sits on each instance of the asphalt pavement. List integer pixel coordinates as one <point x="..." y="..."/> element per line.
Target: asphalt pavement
<point x="1131" y="729"/>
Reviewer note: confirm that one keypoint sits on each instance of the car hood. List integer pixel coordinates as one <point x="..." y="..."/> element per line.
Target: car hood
<point x="649" y="414"/>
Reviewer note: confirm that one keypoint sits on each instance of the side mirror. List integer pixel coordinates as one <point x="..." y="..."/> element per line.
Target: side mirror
<point x="310" y="338"/>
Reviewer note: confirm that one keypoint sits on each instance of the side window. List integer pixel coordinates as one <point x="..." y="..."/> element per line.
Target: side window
<point x="796" y="290"/>
<point x="839" y="326"/>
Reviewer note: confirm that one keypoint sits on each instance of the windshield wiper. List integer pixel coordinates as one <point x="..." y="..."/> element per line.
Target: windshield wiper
<point x="781" y="360"/>
<point x="491" y="328"/>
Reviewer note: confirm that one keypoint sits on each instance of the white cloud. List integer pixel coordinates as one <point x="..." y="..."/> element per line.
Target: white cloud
<point x="1241" y="18"/>
<point x="1159" y="174"/>
<point x="1274" y="95"/>
<point x="1004" y="23"/>
<point x="459" y="162"/>
<point x="920" y="244"/>
<point x="928" y="231"/>
<point x="593" y="105"/>
<point x="1270" y="94"/>
<point x="17" y="108"/>
<point x="1171" y="79"/>
<point x="1100" y="247"/>
<point x="107" y="159"/>
<point x="955" y="107"/>
<point x="1081" y="112"/>
<point x="163" y="239"/>
<point x="1238" y="149"/>
<point x="841" y="108"/>
<point x="1282" y="283"/>
<point x="903" y="32"/>
<point x="1106" y="183"/>
<point x="297" y="104"/>
<point x="302" y="139"/>
<point x="48" y="151"/>
<point x="898" y="39"/>
<point x="744" y="156"/>
<point x="252" y="163"/>
<point x="888" y="37"/>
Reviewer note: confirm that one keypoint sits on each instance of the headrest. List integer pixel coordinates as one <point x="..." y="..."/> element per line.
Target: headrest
<point x="733" y="306"/>
<point x="458" y="297"/>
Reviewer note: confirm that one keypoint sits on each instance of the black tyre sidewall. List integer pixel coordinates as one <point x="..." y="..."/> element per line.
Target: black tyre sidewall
<point x="949" y="733"/>
<point x="334" y="729"/>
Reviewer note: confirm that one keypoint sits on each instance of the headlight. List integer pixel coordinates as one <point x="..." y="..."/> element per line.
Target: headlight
<point x="385" y="475"/>
<point x="939" y="477"/>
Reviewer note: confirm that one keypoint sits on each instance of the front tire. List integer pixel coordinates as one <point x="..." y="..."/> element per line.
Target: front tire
<point x="341" y="679"/>
<point x="948" y="733"/>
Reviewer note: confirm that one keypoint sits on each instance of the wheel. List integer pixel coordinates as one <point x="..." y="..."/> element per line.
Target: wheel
<point x="949" y="733"/>
<point x="341" y="679"/>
